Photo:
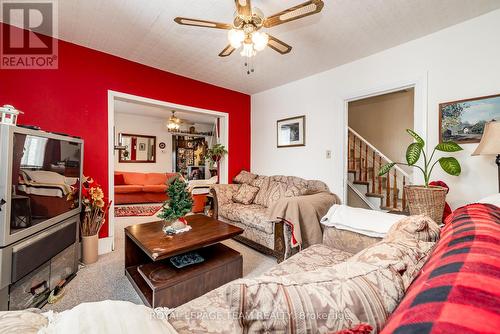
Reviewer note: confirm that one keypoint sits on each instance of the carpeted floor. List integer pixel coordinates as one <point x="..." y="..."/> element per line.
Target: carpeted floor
<point x="106" y="279"/>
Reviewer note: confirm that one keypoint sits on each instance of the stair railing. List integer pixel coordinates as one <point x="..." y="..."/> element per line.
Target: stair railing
<point x="365" y="160"/>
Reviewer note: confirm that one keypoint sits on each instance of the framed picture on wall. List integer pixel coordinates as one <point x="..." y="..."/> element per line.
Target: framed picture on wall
<point x="463" y="121"/>
<point x="291" y="131"/>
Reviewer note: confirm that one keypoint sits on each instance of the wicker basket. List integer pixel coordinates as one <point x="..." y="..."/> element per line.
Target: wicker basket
<point x="428" y="201"/>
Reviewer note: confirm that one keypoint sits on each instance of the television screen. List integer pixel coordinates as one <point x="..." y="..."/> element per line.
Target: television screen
<point x="45" y="179"/>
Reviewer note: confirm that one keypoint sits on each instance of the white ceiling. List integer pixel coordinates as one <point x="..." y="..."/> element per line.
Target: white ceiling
<point x="149" y="110"/>
<point x="346" y="30"/>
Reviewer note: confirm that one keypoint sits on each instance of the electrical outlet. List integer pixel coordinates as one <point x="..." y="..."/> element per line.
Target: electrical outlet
<point x="328" y="154"/>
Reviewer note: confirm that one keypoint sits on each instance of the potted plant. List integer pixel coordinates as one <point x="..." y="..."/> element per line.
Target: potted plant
<point x="176" y="206"/>
<point x="216" y="153"/>
<point x="425" y="199"/>
<point x="93" y="217"/>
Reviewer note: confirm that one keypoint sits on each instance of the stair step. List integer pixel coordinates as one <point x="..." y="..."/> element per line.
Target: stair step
<point x="366" y="183"/>
<point x="351" y="171"/>
<point x="374" y="195"/>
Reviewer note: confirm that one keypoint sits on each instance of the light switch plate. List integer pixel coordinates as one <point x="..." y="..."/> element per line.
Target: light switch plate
<point x="328" y="154"/>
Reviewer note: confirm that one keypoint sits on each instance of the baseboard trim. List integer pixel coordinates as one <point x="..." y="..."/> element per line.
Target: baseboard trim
<point x="105" y="245"/>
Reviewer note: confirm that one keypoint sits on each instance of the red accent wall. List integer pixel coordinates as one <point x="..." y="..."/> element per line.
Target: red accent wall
<point x="74" y="100"/>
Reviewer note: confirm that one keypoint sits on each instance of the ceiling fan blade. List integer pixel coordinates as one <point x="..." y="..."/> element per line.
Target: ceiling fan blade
<point x="202" y="23"/>
<point x="228" y="50"/>
<point x="294" y="13"/>
<point x="278" y="46"/>
<point x="244" y="7"/>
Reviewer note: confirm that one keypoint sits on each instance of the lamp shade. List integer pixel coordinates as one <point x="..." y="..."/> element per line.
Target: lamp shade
<point x="490" y="142"/>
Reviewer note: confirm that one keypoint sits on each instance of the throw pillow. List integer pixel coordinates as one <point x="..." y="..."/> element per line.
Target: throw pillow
<point x="406" y="247"/>
<point x="244" y="177"/>
<point x="262" y="182"/>
<point x="119" y="180"/>
<point x="323" y="300"/>
<point x="245" y="194"/>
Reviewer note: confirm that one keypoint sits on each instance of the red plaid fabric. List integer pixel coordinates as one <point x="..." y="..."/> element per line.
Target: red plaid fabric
<point x="458" y="289"/>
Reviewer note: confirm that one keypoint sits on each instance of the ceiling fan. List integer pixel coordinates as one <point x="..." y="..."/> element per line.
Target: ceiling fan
<point x="244" y="31"/>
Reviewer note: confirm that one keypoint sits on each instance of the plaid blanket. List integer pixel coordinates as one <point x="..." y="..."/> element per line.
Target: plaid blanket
<point x="458" y="290"/>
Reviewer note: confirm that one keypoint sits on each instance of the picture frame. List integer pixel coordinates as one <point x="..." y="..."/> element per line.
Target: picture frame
<point x="291" y="132"/>
<point x="463" y="121"/>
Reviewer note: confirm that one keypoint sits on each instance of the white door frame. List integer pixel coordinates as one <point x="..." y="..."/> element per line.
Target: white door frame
<point x="107" y="244"/>
<point x="419" y="114"/>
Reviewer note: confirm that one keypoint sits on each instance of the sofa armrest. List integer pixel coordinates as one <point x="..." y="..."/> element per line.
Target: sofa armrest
<point x="346" y="241"/>
<point x="222" y="194"/>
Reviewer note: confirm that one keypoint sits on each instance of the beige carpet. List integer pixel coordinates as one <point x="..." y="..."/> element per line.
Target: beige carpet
<point x="106" y="279"/>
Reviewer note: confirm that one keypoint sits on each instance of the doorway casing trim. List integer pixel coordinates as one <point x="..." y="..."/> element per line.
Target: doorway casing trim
<point x="419" y="84"/>
<point x="106" y="245"/>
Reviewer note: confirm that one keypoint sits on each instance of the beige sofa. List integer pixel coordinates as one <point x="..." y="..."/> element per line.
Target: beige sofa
<point x="263" y="230"/>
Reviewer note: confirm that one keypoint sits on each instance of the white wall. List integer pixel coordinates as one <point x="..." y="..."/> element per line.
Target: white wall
<point x="459" y="62"/>
<point x="150" y="126"/>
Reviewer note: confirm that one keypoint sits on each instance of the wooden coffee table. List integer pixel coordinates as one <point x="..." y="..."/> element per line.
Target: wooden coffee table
<point x="147" y="260"/>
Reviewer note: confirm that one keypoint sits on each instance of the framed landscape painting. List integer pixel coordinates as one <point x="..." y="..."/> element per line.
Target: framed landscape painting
<point x="291" y="131"/>
<point x="463" y="121"/>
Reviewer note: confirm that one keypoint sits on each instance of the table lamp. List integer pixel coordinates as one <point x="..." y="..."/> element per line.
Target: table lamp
<point x="490" y="144"/>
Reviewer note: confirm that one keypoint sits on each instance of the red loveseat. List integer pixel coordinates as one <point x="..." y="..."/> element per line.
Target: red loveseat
<point x="134" y="188"/>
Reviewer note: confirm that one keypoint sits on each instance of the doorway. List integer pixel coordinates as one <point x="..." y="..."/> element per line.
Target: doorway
<point x="144" y="114"/>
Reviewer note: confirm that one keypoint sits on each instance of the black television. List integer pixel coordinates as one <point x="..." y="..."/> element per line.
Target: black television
<point x="40" y="177"/>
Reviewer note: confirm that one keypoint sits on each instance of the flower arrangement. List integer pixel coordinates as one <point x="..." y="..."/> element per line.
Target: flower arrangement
<point x="95" y="207"/>
<point x="216" y="153"/>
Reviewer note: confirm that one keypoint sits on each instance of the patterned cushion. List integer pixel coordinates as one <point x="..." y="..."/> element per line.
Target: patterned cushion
<point x="244" y="177"/>
<point x="263" y="183"/>
<point x="310" y="259"/>
<point x="327" y="299"/>
<point x="347" y="241"/>
<point x="402" y="250"/>
<point x="225" y="192"/>
<point x="459" y="287"/>
<point x="256" y="217"/>
<point x="246" y="194"/>
<point x="419" y="227"/>
<point x="232" y="211"/>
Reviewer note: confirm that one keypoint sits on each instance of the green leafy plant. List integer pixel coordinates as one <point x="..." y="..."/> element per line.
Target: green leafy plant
<point x="416" y="149"/>
<point x="217" y="152"/>
<point x="179" y="202"/>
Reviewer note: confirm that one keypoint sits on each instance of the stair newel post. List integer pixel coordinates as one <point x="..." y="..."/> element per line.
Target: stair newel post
<point x="404" y="194"/>
<point x="373" y="172"/>
<point x="395" y="190"/>
<point x="380" y="177"/>
<point x="388" y="190"/>
<point x="366" y="162"/>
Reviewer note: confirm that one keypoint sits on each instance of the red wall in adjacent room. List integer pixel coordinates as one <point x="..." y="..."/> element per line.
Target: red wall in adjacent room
<point x="74" y="100"/>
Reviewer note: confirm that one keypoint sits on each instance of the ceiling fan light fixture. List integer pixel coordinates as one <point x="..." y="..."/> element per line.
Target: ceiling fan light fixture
<point x="260" y="40"/>
<point x="236" y="37"/>
<point x="248" y="50"/>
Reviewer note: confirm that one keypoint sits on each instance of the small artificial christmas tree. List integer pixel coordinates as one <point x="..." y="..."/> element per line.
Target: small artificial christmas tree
<point x="179" y="202"/>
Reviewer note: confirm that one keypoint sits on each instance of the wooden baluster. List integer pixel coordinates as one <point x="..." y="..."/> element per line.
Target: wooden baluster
<point x="354" y="152"/>
<point x="395" y="190"/>
<point x="366" y="162"/>
<point x="360" y="160"/>
<point x="380" y="177"/>
<point x="373" y="172"/>
<point x="388" y="190"/>
<point x="349" y="153"/>
<point x="404" y="193"/>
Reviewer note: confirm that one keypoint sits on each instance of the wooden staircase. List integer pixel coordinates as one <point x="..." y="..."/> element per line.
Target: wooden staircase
<point x="385" y="193"/>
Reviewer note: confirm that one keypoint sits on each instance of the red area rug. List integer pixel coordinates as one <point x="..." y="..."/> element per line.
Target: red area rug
<point x="136" y="210"/>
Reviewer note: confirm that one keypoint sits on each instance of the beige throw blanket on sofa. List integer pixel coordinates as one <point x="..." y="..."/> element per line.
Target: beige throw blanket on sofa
<point x="305" y="213"/>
